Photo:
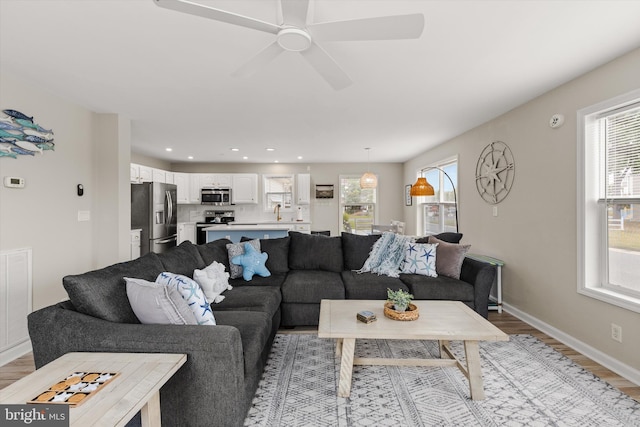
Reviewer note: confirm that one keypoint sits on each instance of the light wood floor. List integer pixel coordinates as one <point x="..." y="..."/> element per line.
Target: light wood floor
<point x="509" y="324"/>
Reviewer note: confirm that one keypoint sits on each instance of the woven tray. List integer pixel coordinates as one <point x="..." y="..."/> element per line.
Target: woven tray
<point x="412" y="312"/>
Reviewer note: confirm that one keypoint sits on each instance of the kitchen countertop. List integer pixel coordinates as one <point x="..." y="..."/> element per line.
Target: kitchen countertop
<point x="253" y="226"/>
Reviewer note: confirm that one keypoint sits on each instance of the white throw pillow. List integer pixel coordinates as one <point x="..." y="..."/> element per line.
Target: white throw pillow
<point x="213" y="280"/>
<point x="154" y="303"/>
<point x="420" y="258"/>
<point x="192" y="294"/>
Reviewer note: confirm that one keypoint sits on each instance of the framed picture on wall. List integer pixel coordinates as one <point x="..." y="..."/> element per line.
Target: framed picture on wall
<point x="407" y="195"/>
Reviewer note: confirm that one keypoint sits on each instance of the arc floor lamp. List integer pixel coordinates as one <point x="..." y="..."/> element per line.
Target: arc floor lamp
<point x="423" y="188"/>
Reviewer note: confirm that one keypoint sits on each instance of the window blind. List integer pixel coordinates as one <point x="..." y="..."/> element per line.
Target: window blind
<point x="622" y="151"/>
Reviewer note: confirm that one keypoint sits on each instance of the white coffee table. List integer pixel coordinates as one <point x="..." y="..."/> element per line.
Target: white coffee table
<point x="439" y="320"/>
<point x="136" y="388"/>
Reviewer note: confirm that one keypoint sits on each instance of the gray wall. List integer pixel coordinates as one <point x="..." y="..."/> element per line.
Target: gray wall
<point x="535" y="230"/>
<point x="90" y="150"/>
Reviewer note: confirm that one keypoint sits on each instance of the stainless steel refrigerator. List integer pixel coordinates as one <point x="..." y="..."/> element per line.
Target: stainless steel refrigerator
<point x="154" y="211"/>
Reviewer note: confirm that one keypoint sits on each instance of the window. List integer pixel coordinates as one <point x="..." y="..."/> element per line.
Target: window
<point x="278" y="190"/>
<point x="609" y="201"/>
<point x="357" y="205"/>
<point x="439" y="210"/>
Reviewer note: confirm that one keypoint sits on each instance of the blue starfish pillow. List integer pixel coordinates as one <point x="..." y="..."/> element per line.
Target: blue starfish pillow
<point x="420" y="258"/>
<point x="252" y="262"/>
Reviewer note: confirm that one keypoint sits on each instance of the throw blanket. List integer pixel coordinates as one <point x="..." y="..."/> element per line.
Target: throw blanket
<point x="387" y="255"/>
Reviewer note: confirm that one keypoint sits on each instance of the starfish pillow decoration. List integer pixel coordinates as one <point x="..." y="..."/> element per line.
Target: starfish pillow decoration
<point x="252" y="262"/>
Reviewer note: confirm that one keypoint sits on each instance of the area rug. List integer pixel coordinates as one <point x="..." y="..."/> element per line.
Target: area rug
<point x="527" y="383"/>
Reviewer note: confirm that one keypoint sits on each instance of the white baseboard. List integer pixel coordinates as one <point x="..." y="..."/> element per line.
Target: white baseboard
<point x="594" y="354"/>
<point x="11" y="354"/>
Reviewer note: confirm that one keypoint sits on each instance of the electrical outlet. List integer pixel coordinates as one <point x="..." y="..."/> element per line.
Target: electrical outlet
<point x="616" y="332"/>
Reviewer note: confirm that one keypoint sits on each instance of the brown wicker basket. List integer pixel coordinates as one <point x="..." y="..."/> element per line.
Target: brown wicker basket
<point x="412" y="312"/>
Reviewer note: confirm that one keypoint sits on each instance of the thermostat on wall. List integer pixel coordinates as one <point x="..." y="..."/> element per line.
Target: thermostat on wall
<point x="13" y="182"/>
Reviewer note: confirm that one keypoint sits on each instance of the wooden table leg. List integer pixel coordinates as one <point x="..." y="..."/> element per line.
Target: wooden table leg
<point x="442" y="344"/>
<point x="338" y="347"/>
<point x="472" y="353"/>
<point x="150" y="413"/>
<point x="346" y="367"/>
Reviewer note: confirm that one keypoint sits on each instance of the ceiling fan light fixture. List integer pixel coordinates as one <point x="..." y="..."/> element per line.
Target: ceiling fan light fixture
<point x="294" y="39"/>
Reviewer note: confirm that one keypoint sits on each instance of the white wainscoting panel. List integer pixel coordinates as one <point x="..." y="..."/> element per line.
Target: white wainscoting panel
<point x="16" y="288"/>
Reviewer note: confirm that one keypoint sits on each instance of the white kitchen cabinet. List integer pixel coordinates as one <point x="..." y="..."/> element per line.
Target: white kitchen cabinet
<point x="194" y="187"/>
<point x="140" y="173"/>
<point x="303" y="189"/>
<point x="186" y="231"/>
<point x="302" y="228"/>
<point x="215" y="180"/>
<point x="244" y="188"/>
<point x="169" y="177"/>
<point x="182" y="181"/>
<point x="158" y="175"/>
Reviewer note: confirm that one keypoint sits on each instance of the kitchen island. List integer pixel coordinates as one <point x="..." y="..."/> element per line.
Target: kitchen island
<point x="265" y="230"/>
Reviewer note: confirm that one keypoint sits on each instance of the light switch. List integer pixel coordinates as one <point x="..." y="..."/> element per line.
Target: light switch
<point x="84" y="215"/>
<point x="495" y="211"/>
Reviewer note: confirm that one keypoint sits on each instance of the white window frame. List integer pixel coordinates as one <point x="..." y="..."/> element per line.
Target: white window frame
<point x="592" y="226"/>
<point x="342" y="205"/>
<point x="423" y="201"/>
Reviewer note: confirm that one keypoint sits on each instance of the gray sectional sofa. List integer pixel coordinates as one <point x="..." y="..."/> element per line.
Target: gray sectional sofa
<point x="225" y="362"/>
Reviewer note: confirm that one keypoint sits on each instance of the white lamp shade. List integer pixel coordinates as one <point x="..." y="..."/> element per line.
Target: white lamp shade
<point x="368" y="180"/>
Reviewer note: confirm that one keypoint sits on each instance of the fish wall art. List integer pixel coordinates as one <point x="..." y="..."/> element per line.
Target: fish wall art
<point x="19" y="135"/>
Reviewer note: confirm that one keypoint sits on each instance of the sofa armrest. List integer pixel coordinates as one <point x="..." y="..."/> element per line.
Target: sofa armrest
<point x="481" y="275"/>
<point x="213" y="372"/>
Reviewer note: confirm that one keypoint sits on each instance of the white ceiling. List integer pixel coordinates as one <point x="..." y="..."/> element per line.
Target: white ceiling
<point x="170" y="72"/>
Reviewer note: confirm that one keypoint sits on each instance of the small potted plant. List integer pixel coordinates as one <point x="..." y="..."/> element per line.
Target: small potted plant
<point x="400" y="299"/>
<point x="399" y="307"/>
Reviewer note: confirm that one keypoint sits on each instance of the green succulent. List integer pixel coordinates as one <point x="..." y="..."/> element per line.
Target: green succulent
<point x="399" y="298"/>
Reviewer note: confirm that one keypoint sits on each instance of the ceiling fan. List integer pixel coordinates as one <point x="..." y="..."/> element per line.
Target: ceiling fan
<point x="295" y="34"/>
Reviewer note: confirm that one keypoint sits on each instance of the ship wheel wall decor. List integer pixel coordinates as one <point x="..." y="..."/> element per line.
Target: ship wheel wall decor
<point x="495" y="172"/>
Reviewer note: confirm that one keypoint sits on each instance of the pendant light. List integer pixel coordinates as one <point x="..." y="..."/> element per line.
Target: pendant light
<point x="368" y="180"/>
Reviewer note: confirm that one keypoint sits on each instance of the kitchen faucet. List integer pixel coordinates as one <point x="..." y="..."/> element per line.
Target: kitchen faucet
<point x="277" y="212"/>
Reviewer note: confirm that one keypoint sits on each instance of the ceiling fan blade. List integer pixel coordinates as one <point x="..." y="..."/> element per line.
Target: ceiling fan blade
<point x="265" y="56"/>
<point x="326" y="67"/>
<point x="381" y="28"/>
<point x="294" y="12"/>
<point x="218" y="15"/>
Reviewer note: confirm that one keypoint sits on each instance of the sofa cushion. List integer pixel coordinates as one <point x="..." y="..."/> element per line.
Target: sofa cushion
<point x="278" y="251"/>
<point x="420" y="258"/>
<point x="235" y="249"/>
<point x="157" y="304"/>
<point x="215" y="251"/>
<point x="447" y="236"/>
<point x="182" y="259"/>
<point x="315" y="252"/>
<point x="102" y="293"/>
<point x="449" y="257"/>
<point x="275" y="280"/>
<point x="192" y="294"/>
<point x="438" y="288"/>
<point x="369" y="285"/>
<point x="312" y="286"/>
<point x="251" y="298"/>
<point x="356" y="249"/>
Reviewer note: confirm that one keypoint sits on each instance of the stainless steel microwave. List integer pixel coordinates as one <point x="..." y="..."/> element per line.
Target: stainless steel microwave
<point x="218" y="196"/>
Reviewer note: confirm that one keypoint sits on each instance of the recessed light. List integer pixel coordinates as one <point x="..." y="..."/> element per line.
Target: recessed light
<point x="235" y="149"/>
<point x="271" y="149"/>
<point x="245" y="157"/>
<point x="276" y="161"/>
<point x="168" y="149"/>
<point x="190" y="157"/>
<point x="299" y="157"/>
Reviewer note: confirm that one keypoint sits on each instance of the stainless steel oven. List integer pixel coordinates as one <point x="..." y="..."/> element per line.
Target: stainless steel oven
<point x="218" y="196"/>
